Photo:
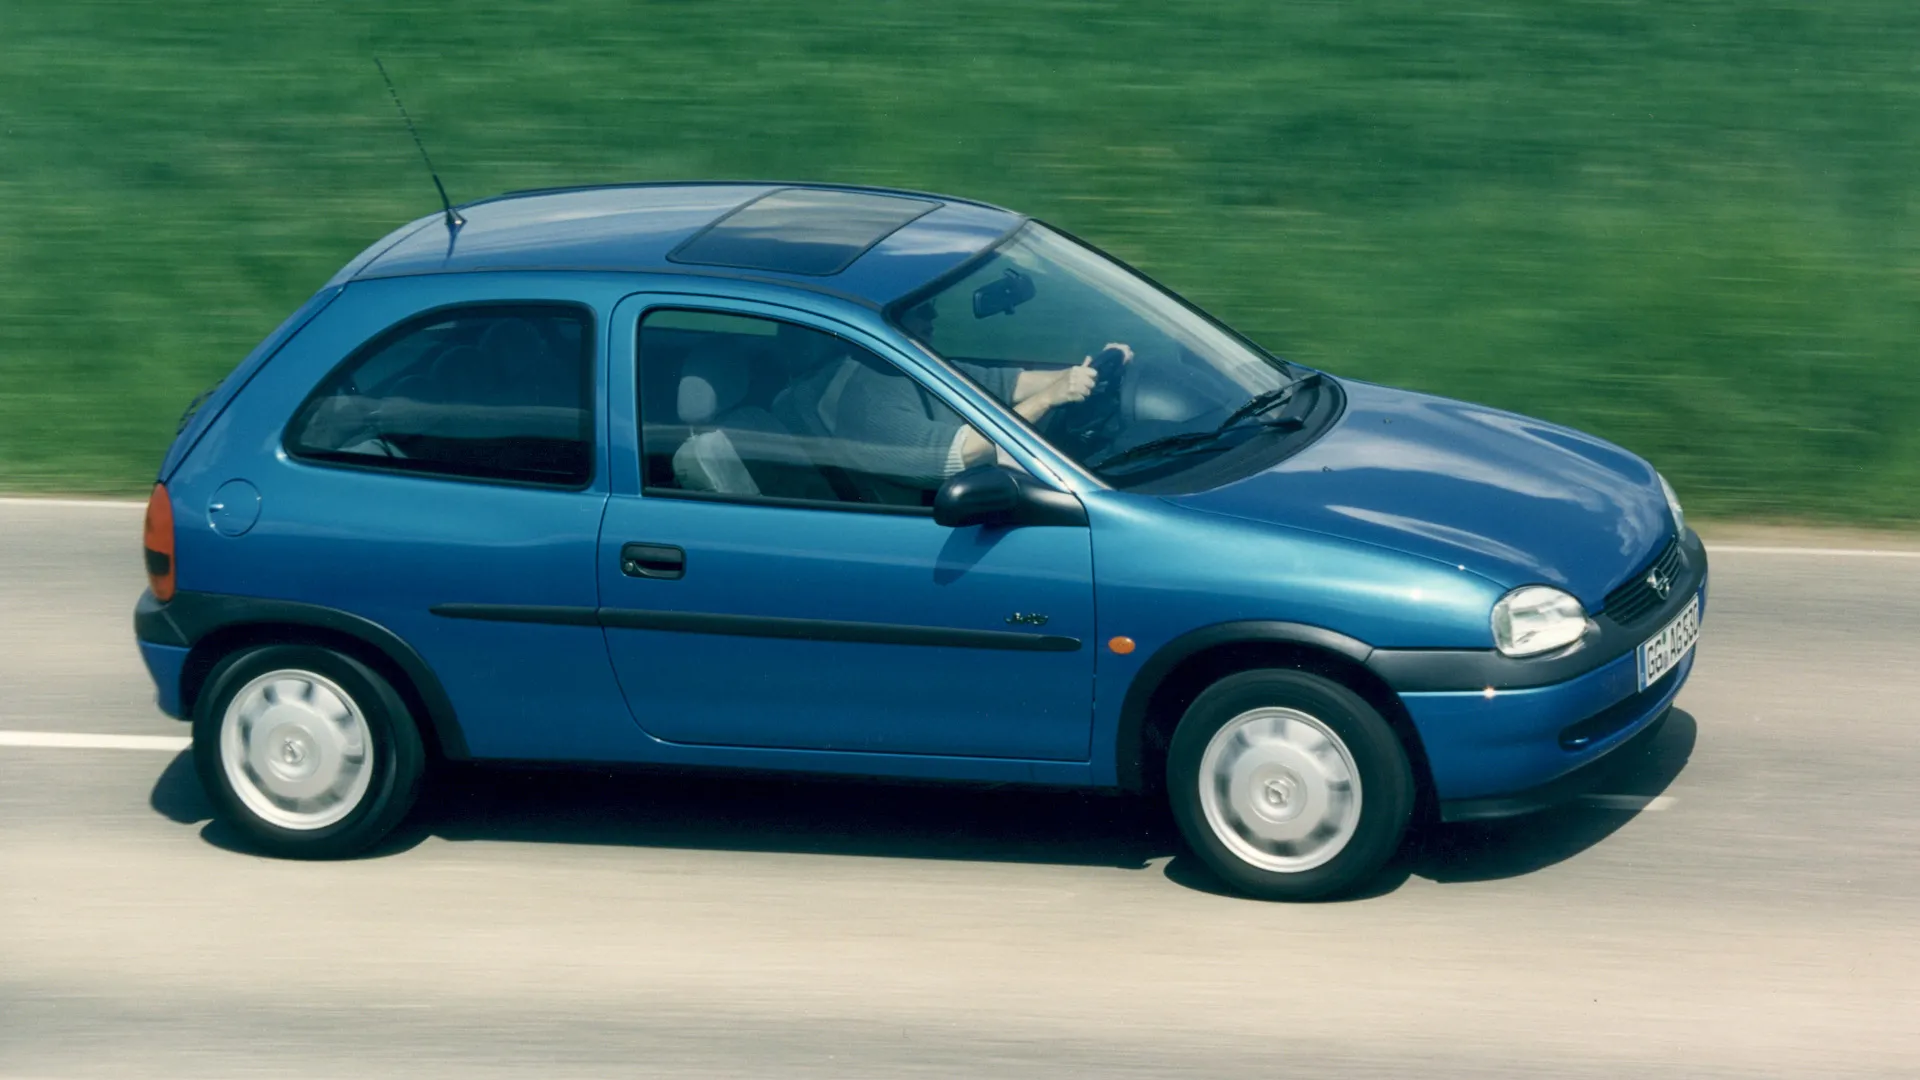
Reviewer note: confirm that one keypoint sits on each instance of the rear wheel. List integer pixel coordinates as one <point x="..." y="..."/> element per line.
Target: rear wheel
<point x="1288" y="785"/>
<point x="308" y="752"/>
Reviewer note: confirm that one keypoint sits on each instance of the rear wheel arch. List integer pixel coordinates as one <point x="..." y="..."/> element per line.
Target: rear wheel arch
<point x="365" y="641"/>
<point x="1176" y="675"/>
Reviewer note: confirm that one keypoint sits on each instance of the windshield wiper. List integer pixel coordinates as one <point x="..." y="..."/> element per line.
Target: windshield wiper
<point x="1186" y="442"/>
<point x="1165" y="445"/>
<point x="1182" y="442"/>
<point x="1270" y="399"/>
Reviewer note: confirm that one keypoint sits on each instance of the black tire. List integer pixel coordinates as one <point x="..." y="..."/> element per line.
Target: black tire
<point x="1386" y="789"/>
<point x="398" y="758"/>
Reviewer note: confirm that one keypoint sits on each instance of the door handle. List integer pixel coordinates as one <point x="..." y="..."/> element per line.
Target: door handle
<point x="661" y="561"/>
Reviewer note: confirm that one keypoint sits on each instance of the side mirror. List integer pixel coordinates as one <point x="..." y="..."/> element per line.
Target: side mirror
<point x="994" y="495"/>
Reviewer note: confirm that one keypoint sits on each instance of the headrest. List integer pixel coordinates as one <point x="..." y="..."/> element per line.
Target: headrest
<point x="512" y="343"/>
<point x="710" y="385"/>
<point x="802" y="351"/>
<point x="455" y="374"/>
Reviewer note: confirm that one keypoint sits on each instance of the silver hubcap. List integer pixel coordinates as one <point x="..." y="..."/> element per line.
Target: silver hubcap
<point x="1280" y="790"/>
<point x="296" y="749"/>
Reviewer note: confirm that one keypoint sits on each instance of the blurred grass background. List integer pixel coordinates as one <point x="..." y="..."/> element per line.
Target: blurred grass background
<point x="1689" y="227"/>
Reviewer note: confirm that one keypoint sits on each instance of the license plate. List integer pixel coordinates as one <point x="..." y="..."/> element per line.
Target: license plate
<point x="1663" y="651"/>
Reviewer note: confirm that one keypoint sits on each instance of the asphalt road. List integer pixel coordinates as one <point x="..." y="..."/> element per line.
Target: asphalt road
<point x="1746" y="905"/>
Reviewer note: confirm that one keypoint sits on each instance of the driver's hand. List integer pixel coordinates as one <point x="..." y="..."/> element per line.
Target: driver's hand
<point x="1126" y="351"/>
<point x="1074" y="383"/>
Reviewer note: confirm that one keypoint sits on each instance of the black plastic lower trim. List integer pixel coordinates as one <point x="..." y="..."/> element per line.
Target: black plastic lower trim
<point x="1608" y="721"/>
<point x="521" y="613"/>
<point x="1155" y="671"/>
<point x="833" y="630"/>
<point x="191" y="617"/>
<point x="153" y="622"/>
<point x="1552" y="793"/>
<point x="691" y="622"/>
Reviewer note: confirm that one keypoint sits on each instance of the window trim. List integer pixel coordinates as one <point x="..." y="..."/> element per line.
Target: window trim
<point x="589" y="344"/>
<point x="718" y="307"/>
<point x="882" y="509"/>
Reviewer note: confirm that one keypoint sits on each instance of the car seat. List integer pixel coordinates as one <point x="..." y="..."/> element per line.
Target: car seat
<point x="809" y="407"/>
<point x="711" y="387"/>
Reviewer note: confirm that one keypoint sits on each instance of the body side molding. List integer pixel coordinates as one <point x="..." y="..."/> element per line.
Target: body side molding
<point x="691" y="622"/>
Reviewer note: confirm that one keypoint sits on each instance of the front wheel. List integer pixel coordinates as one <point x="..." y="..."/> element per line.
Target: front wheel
<point x="1288" y="785"/>
<point x="307" y="751"/>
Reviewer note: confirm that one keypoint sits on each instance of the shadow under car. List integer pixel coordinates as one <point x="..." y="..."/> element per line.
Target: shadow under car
<point x="777" y="813"/>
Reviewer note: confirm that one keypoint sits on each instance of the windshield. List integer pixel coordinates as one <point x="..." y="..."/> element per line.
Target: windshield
<point x="1163" y="381"/>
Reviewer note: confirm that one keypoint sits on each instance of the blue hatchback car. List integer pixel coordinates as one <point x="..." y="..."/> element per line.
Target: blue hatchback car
<point x="839" y="480"/>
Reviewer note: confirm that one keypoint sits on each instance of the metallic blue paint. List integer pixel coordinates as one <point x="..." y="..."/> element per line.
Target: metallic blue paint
<point x="1479" y="746"/>
<point x="165" y="663"/>
<point x="1398" y="528"/>
<point x="388" y="546"/>
<point x="633" y="228"/>
<point x="591" y="229"/>
<point x="1515" y="500"/>
<point x="216" y="403"/>
<point x="789" y="562"/>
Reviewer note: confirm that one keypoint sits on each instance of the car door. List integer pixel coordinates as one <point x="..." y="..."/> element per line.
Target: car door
<point x="757" y="592"/>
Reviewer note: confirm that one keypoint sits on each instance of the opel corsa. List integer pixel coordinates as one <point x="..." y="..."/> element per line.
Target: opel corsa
<point x="837" y="480"/>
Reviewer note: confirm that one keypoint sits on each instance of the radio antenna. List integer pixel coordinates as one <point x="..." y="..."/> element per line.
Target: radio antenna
<point x="454" y="220"/>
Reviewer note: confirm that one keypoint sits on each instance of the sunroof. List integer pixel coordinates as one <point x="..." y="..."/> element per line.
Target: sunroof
<point x="801" y="230"/>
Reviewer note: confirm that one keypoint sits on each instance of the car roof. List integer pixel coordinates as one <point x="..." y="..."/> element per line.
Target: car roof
<point x="874" y="245"/>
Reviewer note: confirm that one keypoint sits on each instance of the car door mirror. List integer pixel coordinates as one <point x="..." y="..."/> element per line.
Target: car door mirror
<point x="994" y="495"/>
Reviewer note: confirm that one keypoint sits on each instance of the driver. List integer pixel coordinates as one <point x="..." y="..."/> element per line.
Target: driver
<point x="890" y="427"/>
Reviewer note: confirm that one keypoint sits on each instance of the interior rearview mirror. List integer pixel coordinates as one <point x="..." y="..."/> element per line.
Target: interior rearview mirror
<point x="1001" y="296"/>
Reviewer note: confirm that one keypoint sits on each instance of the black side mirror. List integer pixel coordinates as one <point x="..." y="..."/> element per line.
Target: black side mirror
<point x="995" y="495"/>
<point x="1001" y="296"/>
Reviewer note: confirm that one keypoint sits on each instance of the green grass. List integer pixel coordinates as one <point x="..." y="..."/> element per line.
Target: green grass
<point x="1690" y="228"/>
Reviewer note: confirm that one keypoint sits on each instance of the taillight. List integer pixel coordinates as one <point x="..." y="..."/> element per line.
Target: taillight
<point x="159" y="542"/>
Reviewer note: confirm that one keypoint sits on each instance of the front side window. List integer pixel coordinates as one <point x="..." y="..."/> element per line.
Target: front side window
<point x="755" y="409"/>
<point x="490" y="393"/>
<point x="1115" y="372"/>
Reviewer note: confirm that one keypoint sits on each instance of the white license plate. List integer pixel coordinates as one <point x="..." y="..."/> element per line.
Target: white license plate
<point x="1663" y="651"/>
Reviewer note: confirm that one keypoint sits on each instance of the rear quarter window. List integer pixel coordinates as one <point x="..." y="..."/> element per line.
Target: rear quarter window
<point x="494" y="392"/>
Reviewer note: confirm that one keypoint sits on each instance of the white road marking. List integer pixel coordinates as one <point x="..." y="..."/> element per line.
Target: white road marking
<point x="74" y="740"/>
<point x="1826" y="553"/>
<point x="1628" y="802"/>
<point x="121" y="504"/>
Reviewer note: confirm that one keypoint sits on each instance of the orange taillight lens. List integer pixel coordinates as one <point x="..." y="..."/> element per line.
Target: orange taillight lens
<point x="159" y="543"/>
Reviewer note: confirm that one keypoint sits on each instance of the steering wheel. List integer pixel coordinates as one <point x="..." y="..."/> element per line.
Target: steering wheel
<point x="1094" y="420"/>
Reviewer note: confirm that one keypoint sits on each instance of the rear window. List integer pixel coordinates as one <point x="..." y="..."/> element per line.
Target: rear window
<point x="489" y="393"/>
<point x="801" y="231"/>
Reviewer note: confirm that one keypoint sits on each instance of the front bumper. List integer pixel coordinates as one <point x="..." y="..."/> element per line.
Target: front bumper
<point x="1554" y="792"/>
<point x="1521" y="754"/>
<point x="1505" y="736"/>
<point x="1480" y="746"/>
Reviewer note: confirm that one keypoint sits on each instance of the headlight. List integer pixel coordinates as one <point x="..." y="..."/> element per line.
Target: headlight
<point x="1673" y="504"/>
<point x="1535" y="619"/>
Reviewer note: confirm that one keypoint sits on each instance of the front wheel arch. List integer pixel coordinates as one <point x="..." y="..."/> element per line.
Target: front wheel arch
<point x="1176" y="675"/>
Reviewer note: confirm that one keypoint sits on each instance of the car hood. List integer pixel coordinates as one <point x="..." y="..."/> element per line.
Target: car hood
<point x="1515" y="500"/>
